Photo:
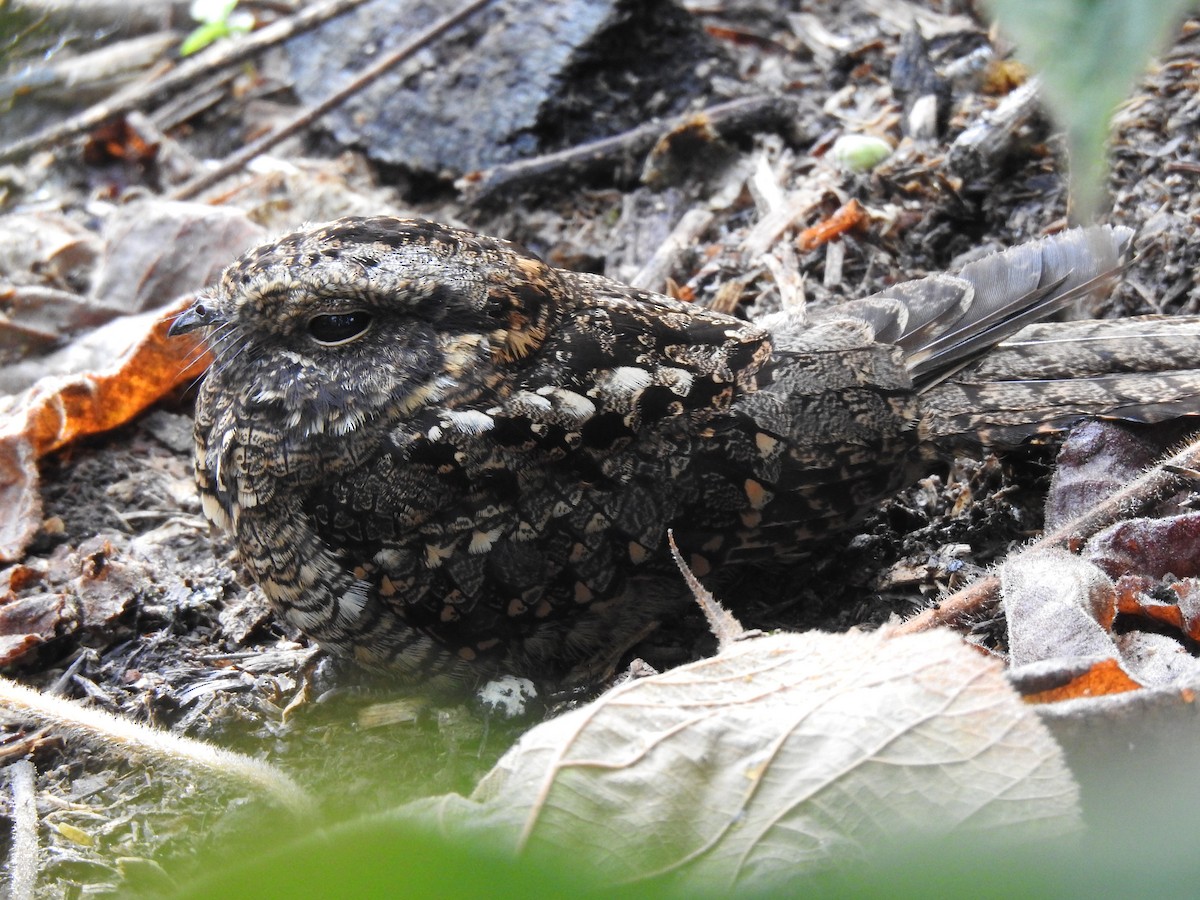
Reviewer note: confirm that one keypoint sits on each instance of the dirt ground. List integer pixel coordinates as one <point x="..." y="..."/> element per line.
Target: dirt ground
<point x="153" y="617"/>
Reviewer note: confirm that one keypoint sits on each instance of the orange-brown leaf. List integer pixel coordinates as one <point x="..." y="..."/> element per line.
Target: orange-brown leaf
<point x="849" y="217"/>
<point x="58" y="410"/>
<point x="1100" y="679"/>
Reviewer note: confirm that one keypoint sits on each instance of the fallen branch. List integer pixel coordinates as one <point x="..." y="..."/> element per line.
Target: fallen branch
<point x="574" y="163"/>
<point x="1139" y="497"/>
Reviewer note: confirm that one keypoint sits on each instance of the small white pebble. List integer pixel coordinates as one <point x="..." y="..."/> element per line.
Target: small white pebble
<point x="507" y="695"/>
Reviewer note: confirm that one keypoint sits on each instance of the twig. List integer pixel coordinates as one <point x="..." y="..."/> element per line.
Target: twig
<point x="653" y="275"/>
<point x="235" y="161"/>
<point x="980" y="149"/>
<point x="185" y="74"/>
<point x="95" y="73"/>
<point x="113" y="733"/>
<point x="607" y="153"/>
<point x="23" y="861"/>
<point x="206" y="93"/>
<point x="1138" y="497"/>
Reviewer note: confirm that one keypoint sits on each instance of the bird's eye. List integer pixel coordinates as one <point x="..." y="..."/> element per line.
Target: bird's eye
<point x="332" y="329"/>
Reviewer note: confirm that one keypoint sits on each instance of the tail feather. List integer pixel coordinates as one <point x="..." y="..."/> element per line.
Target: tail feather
<point x="1048" y="375"/>
<point x="1004" y="414"/>
<point x="1095" y="347"/>
<point x="990" y="372"/>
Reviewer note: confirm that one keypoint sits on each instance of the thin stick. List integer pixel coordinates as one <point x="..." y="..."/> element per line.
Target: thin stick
<point x="101" y="729"/>
<point x="139" y="95"/>
<point x="23" y="863"/>
<point x="1141" y="495"/>
<point x="606" y="153"/>
<point x="235" y="161"/>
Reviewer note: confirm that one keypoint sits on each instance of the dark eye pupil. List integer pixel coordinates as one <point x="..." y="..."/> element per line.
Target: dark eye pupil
<point x="337" y="328"/>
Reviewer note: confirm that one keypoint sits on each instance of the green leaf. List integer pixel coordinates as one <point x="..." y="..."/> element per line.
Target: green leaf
<point x="384" y="856"/>
<point x="203" y="36"/>
<point x="1089" y="54"/>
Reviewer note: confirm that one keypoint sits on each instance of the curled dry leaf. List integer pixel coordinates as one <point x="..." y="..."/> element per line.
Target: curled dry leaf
<point x="777" y="757"/>
<point x="1053" y="681"/>
<point x="58" y="410"/>
<point x="1176" y="605"/>
<point x="1159" y="660"/>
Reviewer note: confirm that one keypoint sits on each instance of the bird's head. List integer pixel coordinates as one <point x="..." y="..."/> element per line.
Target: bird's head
<point x="370" y="317"/>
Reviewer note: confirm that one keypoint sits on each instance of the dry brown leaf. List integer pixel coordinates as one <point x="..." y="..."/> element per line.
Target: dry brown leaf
<point x="157" y="249"/>
<point x="46" y="249"/>
<point x="780" y="756"/>
<point x="1097" y="458"/>
<point x="28" y="622"/>
<point x="1154" y="547"/>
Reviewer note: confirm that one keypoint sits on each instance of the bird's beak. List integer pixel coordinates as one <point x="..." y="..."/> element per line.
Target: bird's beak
<point x="200" y="314"/>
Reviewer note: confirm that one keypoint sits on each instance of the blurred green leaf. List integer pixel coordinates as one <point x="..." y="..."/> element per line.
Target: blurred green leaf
<point x="1089" y="54"/>
<point x="201" y="37"/>
<point x="383" y="856"/>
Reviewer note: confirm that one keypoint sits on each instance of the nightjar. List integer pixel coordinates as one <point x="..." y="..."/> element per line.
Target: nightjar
<point x="439" y="455"/>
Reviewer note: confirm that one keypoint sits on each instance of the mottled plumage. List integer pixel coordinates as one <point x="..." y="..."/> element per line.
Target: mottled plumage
<point x="438" y="454"/>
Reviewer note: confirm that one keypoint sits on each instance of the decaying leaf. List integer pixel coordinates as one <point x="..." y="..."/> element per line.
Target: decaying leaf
<point x="1096" y="459"/>
<point x="160" y="249"/>
<point x="780" y="756"/>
